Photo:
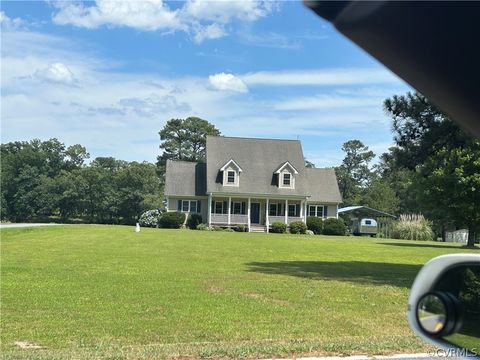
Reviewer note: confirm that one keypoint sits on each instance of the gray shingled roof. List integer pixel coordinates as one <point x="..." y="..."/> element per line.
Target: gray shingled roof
<point x="185" y="178"/>
<point x="258" y="158"/>
<point x="323" y="185"/>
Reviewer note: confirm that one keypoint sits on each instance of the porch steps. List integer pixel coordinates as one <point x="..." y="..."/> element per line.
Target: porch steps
<point x="256" y="228"/>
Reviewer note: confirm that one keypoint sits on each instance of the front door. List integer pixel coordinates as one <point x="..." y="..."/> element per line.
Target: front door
<point x="255" y="213"/>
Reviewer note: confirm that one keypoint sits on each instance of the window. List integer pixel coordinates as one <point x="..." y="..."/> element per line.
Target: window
<point x="237" y="208"/>
<point x="231" y="177"/>
<point x="189" y="206"/>
<point x="315" y="210"/>
<point x="368" y="222"/>
<point x="273" y="210"/>
<point x="292" y="210"/>
<point x="286" y="180"/>
<point x="218" y="207"/>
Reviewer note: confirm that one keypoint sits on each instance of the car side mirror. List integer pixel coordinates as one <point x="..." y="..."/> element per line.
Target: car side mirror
<point x="444" y="304"/>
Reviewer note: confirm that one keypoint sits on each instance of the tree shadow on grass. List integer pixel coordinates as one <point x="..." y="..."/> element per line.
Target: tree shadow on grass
<point x="409" y="244"/>
<point x="400" y="275"/>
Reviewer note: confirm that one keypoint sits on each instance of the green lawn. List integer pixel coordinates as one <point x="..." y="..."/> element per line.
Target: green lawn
<point x="86" y="291"/>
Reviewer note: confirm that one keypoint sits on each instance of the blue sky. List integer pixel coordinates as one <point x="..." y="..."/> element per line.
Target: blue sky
<point x="108" y="75"/>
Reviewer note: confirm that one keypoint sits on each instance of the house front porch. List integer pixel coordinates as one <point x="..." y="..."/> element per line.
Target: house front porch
<point x="254" y="212"/>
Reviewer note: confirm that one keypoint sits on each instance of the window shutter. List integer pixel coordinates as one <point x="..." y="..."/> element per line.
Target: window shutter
<point x="225" y="207"/>
<point x="212" y="207"/>
<point x="199" y="206"/>
<point x="279" y="209"/>
<point x="297" y="210"/>
<point x="325" y="211"/>
<point x="231" y="207"/>
<point x="179" y="205"/>
<point x="243" y="208"/>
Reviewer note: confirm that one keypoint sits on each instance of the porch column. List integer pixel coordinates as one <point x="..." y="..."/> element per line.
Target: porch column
<point x="209" y="209"/>
<point x="248" y="214"/>
<point x="267" y="220"/>
<point x="301" y="210"/>
<point x="229" y="209"/>
<point x="306" y="210"/>
<point x="168" y="203"/>
<point x="286" y="211"/>
<point x="337" y="211"/>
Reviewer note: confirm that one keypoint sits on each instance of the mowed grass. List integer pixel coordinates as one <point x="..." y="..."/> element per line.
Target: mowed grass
<point x="87" y="291"/>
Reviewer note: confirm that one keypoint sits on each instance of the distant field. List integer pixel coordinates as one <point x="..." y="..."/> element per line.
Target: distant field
<point x="84" y="291"/>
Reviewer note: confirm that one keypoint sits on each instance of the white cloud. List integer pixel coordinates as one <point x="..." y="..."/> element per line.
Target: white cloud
<point x="212" y="31"/>
<point x="270" y="40"/>
<point x="56" y="72"/>
<point x="348" y="76"/>
<point x="223" y="11"/>
<point x="8" y="23"/>
<point x="223" y="81"/>
<point x="202" y="19"/>
<point x="148" y="15"/>
<point x="153" y="105"/>
<point x="324" y="101"/>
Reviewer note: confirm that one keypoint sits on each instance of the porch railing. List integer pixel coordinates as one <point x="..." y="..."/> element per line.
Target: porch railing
<point x="282" y="219"/>
<point x="234" y="219"/>
<point x="220" y="218"/>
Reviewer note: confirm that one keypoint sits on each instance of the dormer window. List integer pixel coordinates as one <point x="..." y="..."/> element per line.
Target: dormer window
<point x="231" y="173"/>
<point x="231" y="177"/>
<point x="286" y="176"/>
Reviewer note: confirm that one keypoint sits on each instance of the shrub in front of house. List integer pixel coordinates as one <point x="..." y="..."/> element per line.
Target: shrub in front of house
<point x="194" y="220"/>
<point x="309" y="232"/>
<point x="334" y="226"/>
<point x="240" y="228"/>
<point x="150" y="218"/>
<point x="315" y="224"/>
<point x="279" y="227"/>
<point x="298" y="227"/>
<point x="203" y="227"/>
<point x="172" y="220"/>
<point x="228" y="230"/>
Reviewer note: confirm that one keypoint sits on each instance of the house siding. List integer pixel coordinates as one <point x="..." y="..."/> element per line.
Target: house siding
<point x="173" y="205"/>
<point x="331" y="208"/>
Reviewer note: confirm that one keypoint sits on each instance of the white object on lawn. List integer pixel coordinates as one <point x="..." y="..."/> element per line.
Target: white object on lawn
<point x="137" y="228"/>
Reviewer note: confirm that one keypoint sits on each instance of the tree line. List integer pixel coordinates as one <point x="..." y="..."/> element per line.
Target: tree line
<point x="45" y="180"/>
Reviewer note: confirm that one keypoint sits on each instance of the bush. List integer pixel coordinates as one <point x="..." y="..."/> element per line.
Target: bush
<point x="298" y="227"/>
<point x="309" y="232"/>
<point x="228" y="230"/>
<point x="279" y="227"/>
<point x="150" y="218"/>
<point x="203" y="227"/>
<point x="412" y="227"/>
<point x="315" y="224"/>
<point x="172" y="220"/>
<point x="240" y="228"/>
<point x="194" y="220"/>
<point x="334" y="226"/>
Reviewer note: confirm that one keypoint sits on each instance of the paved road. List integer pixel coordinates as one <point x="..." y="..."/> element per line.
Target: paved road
<point x="24" y="225"/>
